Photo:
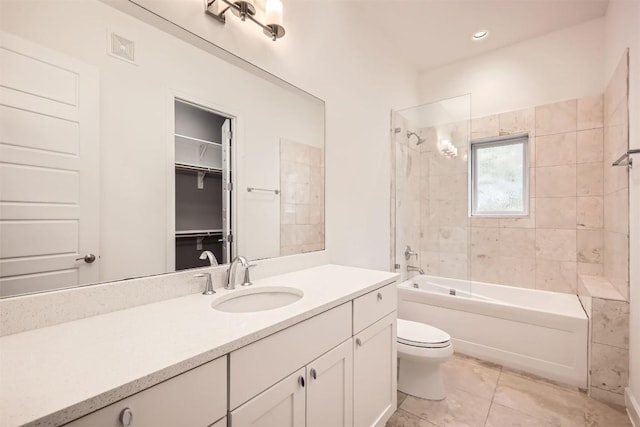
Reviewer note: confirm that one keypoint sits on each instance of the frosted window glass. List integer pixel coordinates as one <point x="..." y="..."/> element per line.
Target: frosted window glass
<point x="499" y="175"/>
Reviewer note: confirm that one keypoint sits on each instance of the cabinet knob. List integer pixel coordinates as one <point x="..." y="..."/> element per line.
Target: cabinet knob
<point x="358" y="342"/>
<point x="314" y="373"/>
<point x="379" y="296"/>
<point x="301" y="381"/>
<point x="126" y="417"/>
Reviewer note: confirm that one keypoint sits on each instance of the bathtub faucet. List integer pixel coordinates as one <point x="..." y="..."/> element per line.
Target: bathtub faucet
<point x="411" y="268"/>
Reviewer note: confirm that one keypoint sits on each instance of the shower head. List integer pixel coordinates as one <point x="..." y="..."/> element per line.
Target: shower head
<point x="419" y="140"/>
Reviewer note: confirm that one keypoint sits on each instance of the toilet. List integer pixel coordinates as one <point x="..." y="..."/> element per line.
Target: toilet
<point x="421" y="350"/>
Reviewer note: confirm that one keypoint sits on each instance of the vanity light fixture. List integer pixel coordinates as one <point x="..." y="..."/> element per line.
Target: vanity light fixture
<point x="272" y="26"/>
<point x="479" y="35"/>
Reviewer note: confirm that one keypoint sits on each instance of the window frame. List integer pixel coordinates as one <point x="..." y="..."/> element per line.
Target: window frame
<point x="499" y="141"/>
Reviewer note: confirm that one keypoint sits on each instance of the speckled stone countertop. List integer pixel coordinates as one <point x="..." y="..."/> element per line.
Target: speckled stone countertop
<point x="52" y="375"/>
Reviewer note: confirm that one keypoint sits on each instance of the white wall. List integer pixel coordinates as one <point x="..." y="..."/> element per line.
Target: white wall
<point x="330" y="52"/>
<point x="136" y="118"/>
<point x="565" y="64"/>
<point x="622" y="30"/>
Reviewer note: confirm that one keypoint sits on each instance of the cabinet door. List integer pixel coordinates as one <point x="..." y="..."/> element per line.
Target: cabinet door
<point x="374" y="373"/>
<point x="330" y="388"/>
<point x="282" y="405"/>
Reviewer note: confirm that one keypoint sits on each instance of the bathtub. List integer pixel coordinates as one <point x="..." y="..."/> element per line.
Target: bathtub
<point x="540" y="332"/>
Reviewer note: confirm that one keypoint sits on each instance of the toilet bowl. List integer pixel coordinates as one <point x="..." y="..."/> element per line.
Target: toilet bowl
<point x="421" y="350"/>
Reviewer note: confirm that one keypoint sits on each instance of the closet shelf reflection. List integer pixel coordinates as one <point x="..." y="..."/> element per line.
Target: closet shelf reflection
<point x="197" y="233"/>
<point x="197" y="168"/>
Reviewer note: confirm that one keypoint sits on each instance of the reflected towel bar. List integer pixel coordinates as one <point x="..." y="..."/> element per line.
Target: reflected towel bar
<point x="626" y="156"/>
<point x="250" y="189"/>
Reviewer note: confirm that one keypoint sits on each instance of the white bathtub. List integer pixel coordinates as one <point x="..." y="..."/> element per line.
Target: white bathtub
<point x="544" y="333"/>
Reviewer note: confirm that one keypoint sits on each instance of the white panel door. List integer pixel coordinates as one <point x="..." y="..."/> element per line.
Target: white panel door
<point x="330" y="388"/>
<point x="49" y="168"/>
<point x="282" y="405"/>
<point x="375" y="373"/>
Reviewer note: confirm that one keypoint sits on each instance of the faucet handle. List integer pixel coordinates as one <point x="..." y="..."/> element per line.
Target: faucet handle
<point x="209" y="287"/>
<point x="408" y="253"/>
<point x="247" y="279"/>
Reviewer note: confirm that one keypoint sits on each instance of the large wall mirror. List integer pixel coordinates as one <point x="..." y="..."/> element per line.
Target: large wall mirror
<point x="126" y="151"/>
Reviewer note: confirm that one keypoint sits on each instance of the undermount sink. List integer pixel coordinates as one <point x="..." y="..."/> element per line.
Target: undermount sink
<point x="257" y="299"/>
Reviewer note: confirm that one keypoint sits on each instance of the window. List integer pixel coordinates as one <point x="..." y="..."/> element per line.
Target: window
<point x="499" y="176"/>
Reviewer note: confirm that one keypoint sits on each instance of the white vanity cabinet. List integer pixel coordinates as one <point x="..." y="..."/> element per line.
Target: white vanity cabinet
<point x="195" y="398"/>
<point x="374" y="357"/>
<point x="318" y="395"/>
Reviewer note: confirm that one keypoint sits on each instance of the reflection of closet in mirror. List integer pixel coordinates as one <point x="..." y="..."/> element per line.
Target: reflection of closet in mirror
<point x="202" y="185"/>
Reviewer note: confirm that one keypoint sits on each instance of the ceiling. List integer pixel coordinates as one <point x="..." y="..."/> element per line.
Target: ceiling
<point x="432" y="33"/>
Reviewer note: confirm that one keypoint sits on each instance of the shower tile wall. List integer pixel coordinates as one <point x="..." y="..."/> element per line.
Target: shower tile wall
<point x="407" y="195"/>
<point x="444" y="222"/>
<point x="562" y="236"/>
<point x="302" y="198"/>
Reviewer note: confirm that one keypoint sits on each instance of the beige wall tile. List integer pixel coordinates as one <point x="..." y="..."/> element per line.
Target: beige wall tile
<point x="453" y="186"/>
<point x="556" y="276"/>
<point x="556" y="245"/>
<point x="556" y="181"/>
<point x="557" y="149"/>
<point x="589" y="179"/>
<point x="454" y="266"/>
<point x="558" y="117"/>
<point x="590" y="246"/>
<point x="590" y="112"/>
<point x="302" y="214"/>
<point x="287" y="213"/>
<point x="485" y="241"/>
<point x="520" y="272"/>
<point x="556" y="212"/>
<point x="590" y="146"/>
<point x="518" y="121"/>
<point x="616" y="212"/>
<point x="484" y="222"/>
<point x="517" y="242"/>
<point x="616" y="261"/>
<point x="590" y="212"/>
<point x="609" y="367"/>
<point x="430" y="262"/>
<point x="484" y="268"/>
<point x="610" y="322"/>
<point x="522" y="222"/>
<point x="454" y="239"/>
<point x="590" y="269"/>
<point x="485" y="127"/>
<point x="606" y="396"/>
<point x="454" y="212"/>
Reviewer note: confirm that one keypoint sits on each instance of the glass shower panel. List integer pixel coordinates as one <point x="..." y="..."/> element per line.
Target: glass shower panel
<point x="430" y="198"/>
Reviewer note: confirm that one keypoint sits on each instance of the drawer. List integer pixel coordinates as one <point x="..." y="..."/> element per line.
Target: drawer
<point x="373" y="306"/>
<point x="196" y="398"/>
<point x="256" y="367"/>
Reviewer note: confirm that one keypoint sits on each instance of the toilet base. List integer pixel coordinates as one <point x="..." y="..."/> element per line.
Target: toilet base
<point x="420" y="379"/>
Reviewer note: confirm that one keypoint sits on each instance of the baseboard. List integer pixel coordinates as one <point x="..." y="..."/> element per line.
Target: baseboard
<point x="633" y="408"/>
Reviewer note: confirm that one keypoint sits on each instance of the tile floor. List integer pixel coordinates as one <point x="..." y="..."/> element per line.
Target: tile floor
<point x="483" y="394"/>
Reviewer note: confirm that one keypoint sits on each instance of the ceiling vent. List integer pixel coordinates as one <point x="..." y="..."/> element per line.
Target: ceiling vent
<point x="121" y="48"/>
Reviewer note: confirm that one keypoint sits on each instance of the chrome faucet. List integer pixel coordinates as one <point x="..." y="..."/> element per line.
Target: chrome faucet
<point x="411" y="268"/>
<point x="209" y="288"/>
<point x="209" y="255"/>
<point x="231" y="273"/>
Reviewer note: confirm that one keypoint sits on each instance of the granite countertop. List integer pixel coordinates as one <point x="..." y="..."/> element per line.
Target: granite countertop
<point x="52" y="375"/>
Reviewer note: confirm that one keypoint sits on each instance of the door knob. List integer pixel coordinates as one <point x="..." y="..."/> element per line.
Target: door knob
<point x="88" y="258"/>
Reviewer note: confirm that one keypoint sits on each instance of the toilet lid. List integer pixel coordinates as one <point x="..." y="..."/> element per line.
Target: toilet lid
<point x="421" y="335"/>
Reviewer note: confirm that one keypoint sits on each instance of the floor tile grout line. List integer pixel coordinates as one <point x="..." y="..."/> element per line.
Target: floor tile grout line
<point x="486" y="420"/>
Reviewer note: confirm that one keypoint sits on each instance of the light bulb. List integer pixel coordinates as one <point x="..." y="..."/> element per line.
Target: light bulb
<point x="273" y="12"/>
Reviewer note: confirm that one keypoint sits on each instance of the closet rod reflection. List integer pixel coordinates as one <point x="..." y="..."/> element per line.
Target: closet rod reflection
<point x="250" y="189"/>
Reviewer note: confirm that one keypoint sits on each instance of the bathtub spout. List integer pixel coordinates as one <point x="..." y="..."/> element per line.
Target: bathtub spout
<point x="411" y="268"/>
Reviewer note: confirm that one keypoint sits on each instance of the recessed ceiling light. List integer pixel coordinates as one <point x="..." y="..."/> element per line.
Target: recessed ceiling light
<point x="480" y="34"/>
